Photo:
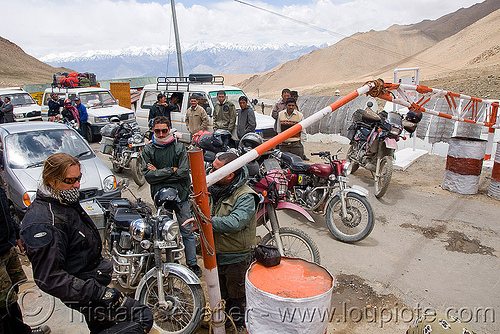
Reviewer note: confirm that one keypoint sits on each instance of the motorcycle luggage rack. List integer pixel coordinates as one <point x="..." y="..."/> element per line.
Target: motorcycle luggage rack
<point x="182" y="84"/>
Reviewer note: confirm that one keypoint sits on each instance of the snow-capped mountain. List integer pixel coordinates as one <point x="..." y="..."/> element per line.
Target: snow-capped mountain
<point x="158" y="60"/>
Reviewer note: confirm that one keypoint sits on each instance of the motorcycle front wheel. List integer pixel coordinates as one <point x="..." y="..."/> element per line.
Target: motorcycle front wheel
<point x="186" y="304"/>
<point x="358" y="222"/>
<point x="296" y="243"/>
<point x="384" y="178"/>
<point x="137" y="174"/>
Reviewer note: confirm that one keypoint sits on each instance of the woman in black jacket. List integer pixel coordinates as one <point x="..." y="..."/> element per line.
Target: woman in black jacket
<point x="64" y="248"/>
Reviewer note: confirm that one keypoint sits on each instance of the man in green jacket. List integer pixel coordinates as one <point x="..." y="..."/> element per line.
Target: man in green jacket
<point x="224" y="113"/>
<point x="165" y="164"/>
<point x="234" y="209"/>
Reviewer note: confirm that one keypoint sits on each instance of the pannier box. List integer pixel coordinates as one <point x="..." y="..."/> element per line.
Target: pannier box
<point x="106" y="145"/>
<point x="96" y="212"/>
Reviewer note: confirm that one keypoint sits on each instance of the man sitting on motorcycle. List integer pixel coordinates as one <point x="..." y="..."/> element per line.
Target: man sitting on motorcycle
<point x="286" y="119"/>
<point x="165" y="164"/>
<point x="234" y="207"/>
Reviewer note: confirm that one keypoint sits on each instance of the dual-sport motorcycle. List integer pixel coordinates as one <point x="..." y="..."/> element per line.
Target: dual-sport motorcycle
<point x="124" y="142"/>
<point x="374" y="138"/>
<point x="146" y="250"/>
<point x="272" y="186"/>
<point x="323" y="189"/>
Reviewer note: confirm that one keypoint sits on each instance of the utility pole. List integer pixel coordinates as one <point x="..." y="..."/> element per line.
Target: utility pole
<point x="177" y="40"/>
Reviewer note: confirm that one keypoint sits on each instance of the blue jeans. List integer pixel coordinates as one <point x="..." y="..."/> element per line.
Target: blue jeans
<point x="182" y="213"/>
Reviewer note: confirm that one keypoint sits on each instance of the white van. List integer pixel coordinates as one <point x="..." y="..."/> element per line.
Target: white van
<point x="101" y="106"/>
<point x="25" y="107"/>
<point x="205" y="88"/>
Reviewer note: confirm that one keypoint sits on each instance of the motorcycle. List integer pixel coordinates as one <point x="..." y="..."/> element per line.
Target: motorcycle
<point x="323" y="189"/>
<point x="146" y="250"/>
<point x="124" y="142"/>
<point x="374" y="140"/>
<point x="272" y="185"/>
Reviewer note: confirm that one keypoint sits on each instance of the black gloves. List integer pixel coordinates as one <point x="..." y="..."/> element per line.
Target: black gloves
<point x="112" y="297"/>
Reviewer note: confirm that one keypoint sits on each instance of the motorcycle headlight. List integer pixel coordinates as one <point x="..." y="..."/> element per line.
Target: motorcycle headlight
<point x="109" y="183"/>
<point x="139" y="229"/>
<point x="347" y="168"/>
<point x="169" y="230"/>
<point x="137" y="138"/>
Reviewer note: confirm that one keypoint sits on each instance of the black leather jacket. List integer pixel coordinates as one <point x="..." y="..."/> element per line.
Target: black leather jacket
<point x="64" y="248"/>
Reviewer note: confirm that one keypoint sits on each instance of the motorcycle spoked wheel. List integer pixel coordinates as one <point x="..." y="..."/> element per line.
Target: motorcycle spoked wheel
<point x="359" y="221"/>
<point x="137" y="174"/>
<point x="382" y="183"/>
<point x="188" y="303"/>
<point x="296" y="243"/>
<point x="350" y="153"/>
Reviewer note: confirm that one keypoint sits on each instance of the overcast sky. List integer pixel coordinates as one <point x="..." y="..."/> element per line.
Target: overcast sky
<point x="43" y="27"/>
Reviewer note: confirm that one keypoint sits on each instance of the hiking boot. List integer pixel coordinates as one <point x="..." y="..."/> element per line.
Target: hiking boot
<point x="196" y="270"/>
<point x="43" y="329"/>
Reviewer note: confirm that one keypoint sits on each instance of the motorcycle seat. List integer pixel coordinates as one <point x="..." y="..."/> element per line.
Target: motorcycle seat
<point x="295" y="162"/>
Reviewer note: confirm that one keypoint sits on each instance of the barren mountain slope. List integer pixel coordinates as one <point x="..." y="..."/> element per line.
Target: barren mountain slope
<point x="18" y="68"/>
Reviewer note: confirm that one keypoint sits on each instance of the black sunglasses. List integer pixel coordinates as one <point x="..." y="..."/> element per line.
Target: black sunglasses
<point x="71" y="180"/>
<point x="158" y="131"/>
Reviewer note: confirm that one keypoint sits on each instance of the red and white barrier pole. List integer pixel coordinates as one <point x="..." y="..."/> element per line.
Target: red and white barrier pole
<point x="278" y="139"/>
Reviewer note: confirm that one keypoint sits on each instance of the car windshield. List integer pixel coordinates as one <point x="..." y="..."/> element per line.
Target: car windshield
<point x="20" y="99"/>
<point x="97" y="99"/>
<point x="30" y="149"/>
<point x="233" y="96"/>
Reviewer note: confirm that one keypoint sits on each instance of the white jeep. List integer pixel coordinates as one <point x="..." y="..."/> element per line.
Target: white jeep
<point x="101" y="106"/>
<point x="205" y="88"/>
<point x="25" y="107"/>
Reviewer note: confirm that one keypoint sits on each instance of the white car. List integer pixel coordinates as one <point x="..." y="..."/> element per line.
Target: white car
<point x="25" y="107"/>
<point x="26" y="146"/>
<point x="205" y="88"/>
<point x="101" y="107"/>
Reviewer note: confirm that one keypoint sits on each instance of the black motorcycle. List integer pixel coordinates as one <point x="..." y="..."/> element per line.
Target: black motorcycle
<point x="146" y="250"/>
<point x="374" y="138"/>
<point x="124" y="142"/>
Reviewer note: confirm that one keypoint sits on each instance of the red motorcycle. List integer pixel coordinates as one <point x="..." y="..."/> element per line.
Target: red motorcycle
<point x="323" y="189"/>
<point x="272" y="186"/>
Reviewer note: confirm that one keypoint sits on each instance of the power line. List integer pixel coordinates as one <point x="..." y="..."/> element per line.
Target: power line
<point x="347" y="38"/>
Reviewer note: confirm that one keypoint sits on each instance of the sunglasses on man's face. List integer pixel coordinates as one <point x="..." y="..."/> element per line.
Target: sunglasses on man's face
<point x="71" y="180"/>
<point x="158" y="131"/>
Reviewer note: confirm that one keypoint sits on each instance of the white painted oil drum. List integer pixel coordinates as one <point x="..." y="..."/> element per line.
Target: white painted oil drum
<point x="280" y="298"/>
<point x="464" y="163"/>
<point x="494" y="189"/>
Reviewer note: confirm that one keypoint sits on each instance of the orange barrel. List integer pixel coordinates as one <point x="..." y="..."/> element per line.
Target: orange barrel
<point x="494" y="189"/>
<point x="464" y="164"/>
<point x="292" y="297"/>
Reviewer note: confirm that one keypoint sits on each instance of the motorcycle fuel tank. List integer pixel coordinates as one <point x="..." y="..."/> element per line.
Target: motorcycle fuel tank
<point x="321" y="170"/>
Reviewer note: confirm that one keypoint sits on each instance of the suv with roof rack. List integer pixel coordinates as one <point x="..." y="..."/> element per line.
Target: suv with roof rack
<point x="101" y="107"/>
<point x="205" y="88"/>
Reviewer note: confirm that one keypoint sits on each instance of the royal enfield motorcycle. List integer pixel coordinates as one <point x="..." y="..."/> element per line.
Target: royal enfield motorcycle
<point x="323" y="189"/>
<point x="146" y="250"/>
<point x="123" y="141"/>
<point x="272" y="186"/>
<point x="374" y="140"/>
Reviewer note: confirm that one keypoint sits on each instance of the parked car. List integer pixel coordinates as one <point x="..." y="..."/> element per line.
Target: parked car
<point x="24" y="150"/>
<point x="25" y="107"/>
<point x="101" y="107"/>
<point x="204" y="87"/>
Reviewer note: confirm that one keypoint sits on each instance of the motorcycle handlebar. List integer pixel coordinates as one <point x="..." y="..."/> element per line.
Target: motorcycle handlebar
<point x="321" y="153"/>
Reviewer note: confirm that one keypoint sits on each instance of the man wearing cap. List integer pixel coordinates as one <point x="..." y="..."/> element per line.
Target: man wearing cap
<point x="7" y="111"/>
<point x="82" y="110"/>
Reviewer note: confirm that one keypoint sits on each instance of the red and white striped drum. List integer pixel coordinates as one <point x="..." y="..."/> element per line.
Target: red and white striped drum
<point x="494" y="189"/>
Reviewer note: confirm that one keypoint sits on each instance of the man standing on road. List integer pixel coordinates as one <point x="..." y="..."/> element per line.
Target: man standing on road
<point x="165" y="164"/>
<point x="233" y="207"/>
<point x="7" y="111"/>
<point x="196" y="117"/>
<point x="279" y="106"/>
<point x="286" y="119"/>
<point x="246" y="118"/>
<point x="82" y="110"/>
<point x="224" y="113"/>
